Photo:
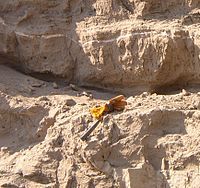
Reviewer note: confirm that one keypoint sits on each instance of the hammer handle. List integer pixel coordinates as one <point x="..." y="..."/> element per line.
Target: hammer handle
<point x="90" y="130"/>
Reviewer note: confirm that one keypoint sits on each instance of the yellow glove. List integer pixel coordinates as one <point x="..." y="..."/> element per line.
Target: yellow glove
<point x="116" y="103"/>
<point x="98" y="112"/>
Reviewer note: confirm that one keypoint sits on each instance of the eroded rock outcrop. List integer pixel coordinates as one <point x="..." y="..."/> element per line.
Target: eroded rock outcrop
<point x="154" y="142"/>
<point x="129" y="46"/>
<point x="104" y="43"/>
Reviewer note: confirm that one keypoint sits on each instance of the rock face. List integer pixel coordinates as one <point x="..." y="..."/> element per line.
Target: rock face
<point x="129" y="46"/>
<point x="134" y="44"/>
<point x="154" y="142"/>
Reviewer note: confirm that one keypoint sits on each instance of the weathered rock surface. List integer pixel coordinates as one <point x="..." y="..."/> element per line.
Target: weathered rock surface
<point x="154" y="142"/>
<point x="137" y="44"/>
<point x="129" y="46"/>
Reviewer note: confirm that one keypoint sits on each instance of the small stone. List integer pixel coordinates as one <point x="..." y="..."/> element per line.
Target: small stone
<point x="70" y="102"/>
<point x="144" y="94"/>
<point x="90" y="96"/>
<point x="48" y="103"/>
<point x="87" y="94"/>
<point x="55" y="86"/>
<point x="185" y="93"/>
<point x="18" y="100"/>
<point x="4" y="149"/>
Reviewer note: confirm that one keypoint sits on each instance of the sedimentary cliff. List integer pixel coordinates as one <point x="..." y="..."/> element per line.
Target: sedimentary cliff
<point x="60" y="58"/>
